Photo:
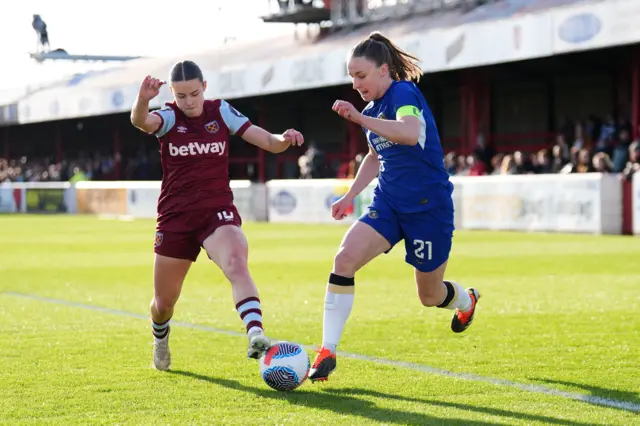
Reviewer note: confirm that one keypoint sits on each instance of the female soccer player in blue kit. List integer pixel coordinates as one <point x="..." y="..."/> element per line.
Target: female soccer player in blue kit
<point x="412" y="200"/>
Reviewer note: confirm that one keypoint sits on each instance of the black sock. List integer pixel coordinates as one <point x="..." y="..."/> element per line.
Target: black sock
<point x="451" y="293"/>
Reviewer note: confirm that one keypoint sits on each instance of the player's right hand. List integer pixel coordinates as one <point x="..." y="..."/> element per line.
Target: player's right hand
<point x="150" y="88"/>
<point x="339" y="208"/>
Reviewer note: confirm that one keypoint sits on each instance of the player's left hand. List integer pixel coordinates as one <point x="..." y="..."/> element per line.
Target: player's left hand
<point x="294" y="137"/>
<point x="347" y="110"/>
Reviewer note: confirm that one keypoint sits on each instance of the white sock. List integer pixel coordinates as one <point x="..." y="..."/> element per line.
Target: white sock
<point x="337" y="308"/>
<point x="255" y="330"/>
<point x="460" y="298"/>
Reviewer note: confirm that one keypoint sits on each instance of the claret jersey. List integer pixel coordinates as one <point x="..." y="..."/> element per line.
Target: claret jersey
<point x="195" y="157"/>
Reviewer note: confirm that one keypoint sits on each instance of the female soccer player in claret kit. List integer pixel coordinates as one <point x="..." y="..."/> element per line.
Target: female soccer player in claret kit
<point x="195" y="208"/>
<point x="412" y="200"/>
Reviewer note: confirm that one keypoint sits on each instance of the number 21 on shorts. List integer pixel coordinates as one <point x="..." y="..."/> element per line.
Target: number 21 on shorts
<point x="420" y="247"/>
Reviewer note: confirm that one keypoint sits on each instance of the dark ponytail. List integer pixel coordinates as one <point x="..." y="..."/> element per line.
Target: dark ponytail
<point x="380" y="50"/>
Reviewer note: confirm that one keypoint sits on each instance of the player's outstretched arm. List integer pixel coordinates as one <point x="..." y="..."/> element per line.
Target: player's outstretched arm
<point x="273" y="143"/>
<point x="368" y="171"/>
<point x="404" y="130"/>
<point x="140" y="116"/>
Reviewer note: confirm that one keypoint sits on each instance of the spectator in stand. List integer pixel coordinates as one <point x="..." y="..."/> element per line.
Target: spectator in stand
<point x="508" y="166"/>
<point x="543" y="162"/>
<point x="9" y="171"/>
<point x="621" y="150"/>
<point x="312" y="163"/>
<point x="533" y="162"/>
<point x="522" y="163"/>
<point x="78" y="175"/>
<point x="341" y="173"/>
<point x="354" y="165"/>
<point x="558" y="159"/>
<point x="346" y="170"/>
<point x="624" y="124"/>
<point x="607" y="136"/>
<point x="583" y="163"/>
<point x="53" y="172"/>
<point x="450" y="163"/>
<point x="477" y="167"/>
<point x="602" y="163"/>
<point x="462" y="166"/>
<point x="4" y="167"/>
<point x="579" y="139"/>
<point x="561" y="142"/>
<point x="483" y="153"/>
<point x="633" y="165"/>
<point x="496" y="162"/>
<point x="570" y="166"/>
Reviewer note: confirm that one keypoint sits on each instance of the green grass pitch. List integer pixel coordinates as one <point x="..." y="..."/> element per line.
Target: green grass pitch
<point x="557" y="311"/>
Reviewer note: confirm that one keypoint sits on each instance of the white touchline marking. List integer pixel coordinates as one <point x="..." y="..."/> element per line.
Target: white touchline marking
<point x="597" y="400"/>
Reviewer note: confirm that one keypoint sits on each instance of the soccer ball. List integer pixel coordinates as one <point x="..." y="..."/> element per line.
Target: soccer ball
<point x="285" y="366"/>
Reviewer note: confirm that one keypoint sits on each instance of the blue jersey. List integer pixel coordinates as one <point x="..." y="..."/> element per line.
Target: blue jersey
<point x="412" y="178"/>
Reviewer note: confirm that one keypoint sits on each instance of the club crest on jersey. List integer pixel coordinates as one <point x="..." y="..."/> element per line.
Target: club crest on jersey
<point x="159" y="238"/>
<point x="212" y="126"/>
<point x="373" y="214"/>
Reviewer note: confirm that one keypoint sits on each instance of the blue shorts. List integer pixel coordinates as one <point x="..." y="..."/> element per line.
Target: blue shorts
<point x="427" y="236"/>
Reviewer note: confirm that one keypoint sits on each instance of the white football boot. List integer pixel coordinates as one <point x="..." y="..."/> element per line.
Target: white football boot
<point x="161" y="353"/>
<point x="258" y="344"/>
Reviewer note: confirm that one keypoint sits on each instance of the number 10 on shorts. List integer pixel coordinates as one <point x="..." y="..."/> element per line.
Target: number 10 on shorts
<point x="224" y="215"/>
<point x="420" y="247"/>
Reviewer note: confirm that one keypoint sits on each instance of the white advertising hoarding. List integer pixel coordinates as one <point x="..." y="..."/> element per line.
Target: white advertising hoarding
<point x="582" y="203"/>
<point x="306" y="200"/>
<point x="576" y="203"/>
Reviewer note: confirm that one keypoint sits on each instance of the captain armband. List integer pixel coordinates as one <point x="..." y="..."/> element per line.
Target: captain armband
<point x="408" y="111"/>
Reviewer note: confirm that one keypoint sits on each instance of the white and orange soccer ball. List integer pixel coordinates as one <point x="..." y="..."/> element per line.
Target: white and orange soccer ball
<point x="285" y="366"/>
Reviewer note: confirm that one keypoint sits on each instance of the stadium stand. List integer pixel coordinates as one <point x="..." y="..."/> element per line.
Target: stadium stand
<point x="539" y="115"/>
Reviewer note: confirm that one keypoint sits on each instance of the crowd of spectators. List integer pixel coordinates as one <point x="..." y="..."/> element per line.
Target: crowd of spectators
<point x="580" y="147"/>
<point x="97" y="167"/>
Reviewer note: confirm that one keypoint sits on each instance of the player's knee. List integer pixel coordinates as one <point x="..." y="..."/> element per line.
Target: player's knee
<point x="164" y="303"/>
<point x="235" y="266"/>
<point x="345" y="263"/>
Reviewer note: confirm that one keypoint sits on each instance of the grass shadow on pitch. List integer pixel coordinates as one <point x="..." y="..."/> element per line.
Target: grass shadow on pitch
<point x="606" y="393"/>
<point x="342" y="404"/>
<point x="346" y="392"/>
